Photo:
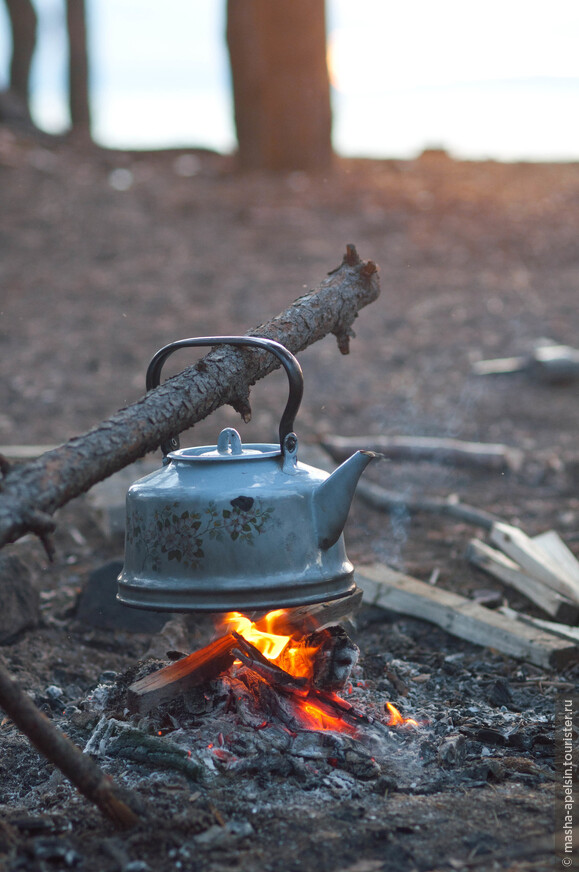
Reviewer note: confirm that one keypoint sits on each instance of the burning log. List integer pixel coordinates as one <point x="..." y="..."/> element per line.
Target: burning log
<point x="309" y="670"/>
<point x="326" y="658"/>
<point x="179" y="677"/>
<point x="301" y="620"/>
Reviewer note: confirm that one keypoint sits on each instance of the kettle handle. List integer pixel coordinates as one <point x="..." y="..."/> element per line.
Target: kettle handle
<point x="289" y="362"/>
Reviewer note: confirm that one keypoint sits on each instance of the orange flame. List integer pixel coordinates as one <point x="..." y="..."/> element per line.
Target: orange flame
<point x="396" y="719"/>
<point x="299" y="661"/>
<point x="313" y="717"/>
<point x="270" y="644"/>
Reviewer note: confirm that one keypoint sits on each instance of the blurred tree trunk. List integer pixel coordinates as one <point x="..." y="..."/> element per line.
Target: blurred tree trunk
<point x="23" y="26"/>
<point x="281" y="89"/>
<point x="78" y="74"/>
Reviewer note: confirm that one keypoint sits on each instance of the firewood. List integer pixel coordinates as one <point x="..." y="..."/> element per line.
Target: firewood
<point x="177" y="678"/>
<point x="553" y="545"/>
<point x="450" y="452"/>
<point x="303" y="620"/>
<point x="535" y="560"/>
<point x="462" y="617"/>
<point x="252" y="657"/>
<point x="502" y="567"/>
<point x="548" y="362"/>
<point x="564" y="631"/>
<point x="326" y="658"/>
<point x="33" y="490"/>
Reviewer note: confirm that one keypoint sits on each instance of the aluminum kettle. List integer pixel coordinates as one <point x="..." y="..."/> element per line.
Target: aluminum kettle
<point x="238" y="527"/>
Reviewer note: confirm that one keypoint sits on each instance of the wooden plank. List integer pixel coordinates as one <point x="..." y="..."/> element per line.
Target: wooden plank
<point x="554" y="546"/>
<point x="461" y="617"/>
<point x="534" y="560"/>
<point x="506" y="570"/>
<point x="303" y="620"/>
<point x="562" y="630"/>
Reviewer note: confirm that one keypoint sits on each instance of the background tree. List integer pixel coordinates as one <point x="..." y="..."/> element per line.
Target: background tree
<point x="23" y="21"/>
<point x="78" y="68"/>
<point x="23" y="26"/>
<point x="281" y="88"/>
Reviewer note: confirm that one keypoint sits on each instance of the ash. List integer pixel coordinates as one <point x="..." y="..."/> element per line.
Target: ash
<point x="238" y="736"/>
<point x="230" y="773"/>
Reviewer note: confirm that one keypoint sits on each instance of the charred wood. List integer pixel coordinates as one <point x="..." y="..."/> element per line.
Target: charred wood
<point x="179" y="677"/>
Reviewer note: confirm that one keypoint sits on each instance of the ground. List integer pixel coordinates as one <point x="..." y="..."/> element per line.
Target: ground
<point x="107" y="256"/>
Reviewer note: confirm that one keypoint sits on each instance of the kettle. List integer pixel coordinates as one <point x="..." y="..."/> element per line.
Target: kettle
<point x="238" y="527"/>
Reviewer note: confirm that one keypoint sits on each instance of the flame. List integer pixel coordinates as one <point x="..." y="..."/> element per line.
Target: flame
<point x="396" y="719"/>
<point x="270" y="644"/>
<point x="299" y="662"/>
<point x="313" y="717"/>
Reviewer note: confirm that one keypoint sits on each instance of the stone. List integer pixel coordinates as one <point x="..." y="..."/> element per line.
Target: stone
<point x="20" y="601"/>
<point x="99" y="607"/>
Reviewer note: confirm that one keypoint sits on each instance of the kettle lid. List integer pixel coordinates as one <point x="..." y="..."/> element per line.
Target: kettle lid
<point x="229" y="447"/>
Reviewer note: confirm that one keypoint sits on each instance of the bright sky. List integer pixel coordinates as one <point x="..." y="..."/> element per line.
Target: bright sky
<point x="499" y="78"/>
<point x="379" y="45"/>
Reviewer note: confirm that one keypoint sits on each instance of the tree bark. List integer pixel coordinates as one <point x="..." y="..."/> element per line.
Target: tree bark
<point x="281" y="88"/>
<point x="31" y="492"/>
<point x="78" y="67"/>
<point x="23" y="26"/>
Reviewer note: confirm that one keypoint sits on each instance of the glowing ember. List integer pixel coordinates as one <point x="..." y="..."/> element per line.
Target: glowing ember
<point x="313" y="717"/>
<point x="396" y="719"/>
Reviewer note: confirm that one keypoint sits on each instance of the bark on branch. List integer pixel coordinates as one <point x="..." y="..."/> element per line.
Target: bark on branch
<point x="31" y="492"/>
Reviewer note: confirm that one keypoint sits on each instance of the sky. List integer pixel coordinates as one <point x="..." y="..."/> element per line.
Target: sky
<point x="498" y="79"/>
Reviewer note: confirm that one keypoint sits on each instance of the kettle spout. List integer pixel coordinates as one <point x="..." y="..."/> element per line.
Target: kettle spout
<point x="333" y="497"/>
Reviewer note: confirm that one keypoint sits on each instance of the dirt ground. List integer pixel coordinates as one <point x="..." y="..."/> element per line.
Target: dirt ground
<point x="104" y="258"/>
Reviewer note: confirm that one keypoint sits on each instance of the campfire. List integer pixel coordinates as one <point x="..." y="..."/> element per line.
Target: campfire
<point x="294" y="674"/>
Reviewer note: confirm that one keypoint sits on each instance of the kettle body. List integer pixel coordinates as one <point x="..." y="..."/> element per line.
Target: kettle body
<point x="239" y="527"/>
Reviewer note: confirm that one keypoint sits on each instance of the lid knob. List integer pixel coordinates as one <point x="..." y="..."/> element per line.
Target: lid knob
<point x="229" y="442"/>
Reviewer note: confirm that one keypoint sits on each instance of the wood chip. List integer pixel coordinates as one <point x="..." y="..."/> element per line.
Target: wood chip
<point x="506" y="570"/>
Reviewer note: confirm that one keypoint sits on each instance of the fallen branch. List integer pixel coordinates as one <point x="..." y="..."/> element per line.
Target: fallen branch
<point x="31" y="492"/>
<point x="448" y="452"/>
<point x="114" y="802"/>
<point x="387" y="501"/>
